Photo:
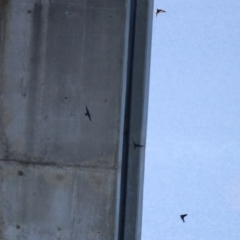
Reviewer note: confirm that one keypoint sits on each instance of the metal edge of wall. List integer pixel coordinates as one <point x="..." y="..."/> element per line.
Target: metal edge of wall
<point x="135" y="119"/>
<point x="131" y="9"/>
<point x="118" y="205"/>
<point x="139" y="116"/>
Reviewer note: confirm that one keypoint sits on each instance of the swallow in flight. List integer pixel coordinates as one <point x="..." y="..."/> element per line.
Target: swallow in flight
<point x="136" y="145"/>
<point x="88" y="114"/>
<point x="183" y="216"/>
<point x="159" y="11"/>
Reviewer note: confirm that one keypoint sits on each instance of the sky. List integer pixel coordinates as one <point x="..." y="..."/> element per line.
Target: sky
<point x="192" y="162"/>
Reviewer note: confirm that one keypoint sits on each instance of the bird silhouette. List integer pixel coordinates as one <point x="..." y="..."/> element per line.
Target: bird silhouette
<point x="136" y="145"/>
<point x="183" y="216"/>
<point x="87" y="113"/>
<point x="159" y="11"/>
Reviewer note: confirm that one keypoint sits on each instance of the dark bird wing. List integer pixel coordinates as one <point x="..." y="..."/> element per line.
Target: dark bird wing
<point x="88" y="114"/>
<point x="183" y="216"/>
<point x="160" y="11"/>
<point x="163" y="11"/>
<point x="134" y="143"/>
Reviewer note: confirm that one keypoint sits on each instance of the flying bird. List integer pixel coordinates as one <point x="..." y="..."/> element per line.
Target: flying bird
<point x="87" y="113"/>
<point x="136" y="145"/>
<point x="159" y="11"/>
<point x="183" y="216"/>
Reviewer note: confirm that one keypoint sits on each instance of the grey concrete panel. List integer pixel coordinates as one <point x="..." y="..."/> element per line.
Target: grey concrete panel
<point x="71" y="57"/>
<point x="56" y="203"/>
<point x="60" y="173"/>
<point x="107" y="4"/>
<point x="64" y="2"/>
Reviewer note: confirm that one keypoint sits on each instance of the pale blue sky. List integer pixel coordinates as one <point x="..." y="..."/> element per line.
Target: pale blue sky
<point x="193" y="142"/>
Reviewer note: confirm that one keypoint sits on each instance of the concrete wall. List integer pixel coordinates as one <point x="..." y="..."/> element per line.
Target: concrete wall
<point x="62" y="175"/>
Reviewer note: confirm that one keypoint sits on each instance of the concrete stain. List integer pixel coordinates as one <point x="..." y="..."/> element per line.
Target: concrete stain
<point x="34" y="76"/>
<point x="95" y="163"/>
<point x="59" y="179"/>
<point x="18" y="145"/>
<point x="3" y="3"/>
<point x="20" y="173"/>
<point x="99" y="182"/>
<point x="4" y="121"/>
<point x="3" y="206"/>
<point x="7" y="118"/>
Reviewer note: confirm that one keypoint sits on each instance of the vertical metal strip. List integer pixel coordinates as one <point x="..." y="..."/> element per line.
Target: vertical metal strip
<point x="126" y="134"/>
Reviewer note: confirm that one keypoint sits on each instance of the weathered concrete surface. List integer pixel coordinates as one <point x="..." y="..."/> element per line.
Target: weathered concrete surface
<point x="61" y="173"/>
<point x="56" y="203"/>
<point x="56" y="60"/>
